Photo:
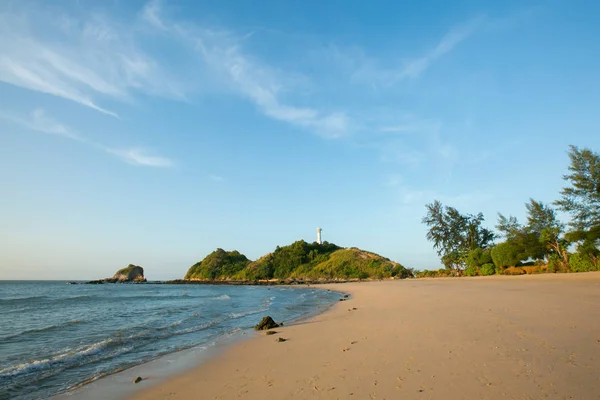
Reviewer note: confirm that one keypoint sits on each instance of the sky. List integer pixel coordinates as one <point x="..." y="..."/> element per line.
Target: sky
<point x="153" y="132"/>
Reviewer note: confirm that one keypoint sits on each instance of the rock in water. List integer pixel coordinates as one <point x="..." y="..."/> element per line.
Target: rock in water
<point x="132" y="273"/>
<point x="266" y="323"/>
<point x="137" y="380"/>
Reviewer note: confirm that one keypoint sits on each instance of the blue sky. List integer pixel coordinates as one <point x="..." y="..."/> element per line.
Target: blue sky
<point x="153" y="132"/>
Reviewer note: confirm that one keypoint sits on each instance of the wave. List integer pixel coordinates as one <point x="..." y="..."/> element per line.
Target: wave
<point x="123" y="343"/>
<point x="65" y="360"/>
<point x="246" y="313"/>
<point x="20" y="300"/>
<point x="45" y="329"/>
<point x="222" y="297"/>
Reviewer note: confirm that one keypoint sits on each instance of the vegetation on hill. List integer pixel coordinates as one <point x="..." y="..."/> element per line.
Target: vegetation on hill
<point x="542" y="244"/>
<point x="300" y="260"/>
<point x="218" y="265"/>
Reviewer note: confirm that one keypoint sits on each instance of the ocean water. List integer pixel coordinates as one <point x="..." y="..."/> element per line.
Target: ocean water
<point x="55" y="336"/>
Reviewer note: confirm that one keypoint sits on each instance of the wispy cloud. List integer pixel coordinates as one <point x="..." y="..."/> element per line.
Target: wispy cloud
<point x="140" y="157"/>
<point x="251" y="78"/>
<point x="39" y="120"/>
<point x="415" y="67"/>
<point x="387" y="72"/>
<point x="82" y="60"/>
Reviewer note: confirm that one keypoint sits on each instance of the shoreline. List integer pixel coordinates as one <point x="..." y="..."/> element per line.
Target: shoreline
<point x="481" y="337"/>
<point x="118" y="384"/>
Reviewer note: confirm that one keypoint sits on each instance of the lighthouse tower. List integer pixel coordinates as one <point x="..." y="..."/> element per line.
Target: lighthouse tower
<point x="319" y="235"/>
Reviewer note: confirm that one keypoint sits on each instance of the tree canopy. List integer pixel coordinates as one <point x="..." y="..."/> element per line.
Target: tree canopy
<point x="541" y="241"/>
<point x="582" y="197"/>
<point x="454" y="235"/>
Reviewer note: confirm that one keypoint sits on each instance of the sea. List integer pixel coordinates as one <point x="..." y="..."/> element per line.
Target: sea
<point x="55" y="336"/>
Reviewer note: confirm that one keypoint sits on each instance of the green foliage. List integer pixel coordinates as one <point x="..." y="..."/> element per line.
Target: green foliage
<point x="352" y="264"/>
<point x="471" y="271"/>
<point x="454" y="234"/>
<point x="505" y="254"/>
<point x="478" y="257"/>
<point x="299" y="260"/>
<point x="582" y="197"/>
<point x="219" y="264"/>
<point x="433" y="274"/>
<point x="487" y="269"/>
<point x="581" y="263"/>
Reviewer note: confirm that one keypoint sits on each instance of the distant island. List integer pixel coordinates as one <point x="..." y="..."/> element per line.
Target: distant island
<point x="299" y="261"/>
<point x="130" y="274"/>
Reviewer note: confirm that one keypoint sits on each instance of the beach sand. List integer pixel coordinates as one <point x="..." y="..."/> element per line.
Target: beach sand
<point x="501" y="337"/>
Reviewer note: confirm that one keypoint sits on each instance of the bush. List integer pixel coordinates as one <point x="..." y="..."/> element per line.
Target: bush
<point x="477" y="257"/>
<point x="487" y="269"/>
<point x="555" y="264"/>
<point x="581" y="263"/>
<point x="505" y="254"/>
<point x="514" y="271"/>
<point x="471" y="271"/>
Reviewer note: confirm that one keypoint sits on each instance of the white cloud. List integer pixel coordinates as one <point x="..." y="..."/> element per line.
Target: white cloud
<point x="140" y="157"/>
<point x="85" y="60"/>
<point x="253" y="79"/>
<point x="39" y="120"/>
<point x="386" y="72"/>
<point x="415" y="67"/>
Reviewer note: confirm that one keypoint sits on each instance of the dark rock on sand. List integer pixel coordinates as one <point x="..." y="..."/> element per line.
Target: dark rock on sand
<point x="270" y="332"/>
<point x="137" y="380"/>
<point x="266" y="323"/>
<point x="281" y="339"/>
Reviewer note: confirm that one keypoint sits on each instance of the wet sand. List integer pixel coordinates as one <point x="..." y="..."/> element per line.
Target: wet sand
<point x="501" y="337"/>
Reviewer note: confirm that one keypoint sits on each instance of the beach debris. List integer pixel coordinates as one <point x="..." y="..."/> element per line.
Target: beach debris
<point x="266" y="323"/>
<point x="354" y="342"/>
<point x="137" y="380"/>
<point x="346" y="296"/>
<point x="346" y="349"/>
<point x="270" y="332"/>
<point x="280" y="339"/>
<point x="342" y="299"/>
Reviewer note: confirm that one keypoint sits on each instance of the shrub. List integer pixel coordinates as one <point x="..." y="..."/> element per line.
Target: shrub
<point x="487" y="269"/>
<point x="471" y="271"/>
<point x="477" y="257"/>
<point x="514" y="271"/>
<point x="505" y="254"/>
<point x="555" y="264"/>
<point x="532" y="269"/>
<point x="581" y="263"/>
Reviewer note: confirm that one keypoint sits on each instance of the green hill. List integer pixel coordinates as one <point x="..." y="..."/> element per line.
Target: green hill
<point x="218" y="265"/>
<point x="300" y="260"/>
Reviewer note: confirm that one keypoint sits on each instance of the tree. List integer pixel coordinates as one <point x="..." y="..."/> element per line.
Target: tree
<point x="526" y="240"/>
<point x="557" y="246"/>
<point x="540" y="216"/>
<point x="454" y="234"/>
<point x="582" y="198"/>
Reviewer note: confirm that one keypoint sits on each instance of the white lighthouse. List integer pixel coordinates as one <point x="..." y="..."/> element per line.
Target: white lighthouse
<point x="319" y="235"/>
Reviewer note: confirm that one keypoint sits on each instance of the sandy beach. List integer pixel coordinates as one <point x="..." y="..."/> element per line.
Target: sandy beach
<point x="502" y="337"/>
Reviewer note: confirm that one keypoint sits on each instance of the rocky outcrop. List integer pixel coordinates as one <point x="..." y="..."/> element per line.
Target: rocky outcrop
<point x="265" y="324"/>
<point x="130" y="274"/>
